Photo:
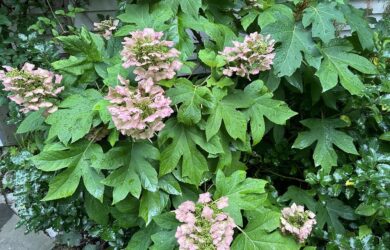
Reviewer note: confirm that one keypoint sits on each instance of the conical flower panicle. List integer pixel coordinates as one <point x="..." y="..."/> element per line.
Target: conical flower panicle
<point x="154" y="59"/>
<point x="31" y="88"/>
<point x="205" y="225"/>
<point x="250" y="57"/>
<point x="138" y="112"/>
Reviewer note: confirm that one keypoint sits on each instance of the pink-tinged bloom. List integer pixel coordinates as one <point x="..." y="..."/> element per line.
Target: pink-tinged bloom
<point x="223" y="202"/>
<point x="205" y="225"/>
<point x="298" y="222"/>
<point x="106" y="27"/>
<point x="154" y="59"/>
<point x="253" y="55"/>
<point x="204" y="198"/>
<point x="31" y="88"/>
<point x="138" y="112"/>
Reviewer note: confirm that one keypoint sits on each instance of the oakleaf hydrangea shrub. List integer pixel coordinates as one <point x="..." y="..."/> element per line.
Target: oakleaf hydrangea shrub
<point x="196" y="125"/>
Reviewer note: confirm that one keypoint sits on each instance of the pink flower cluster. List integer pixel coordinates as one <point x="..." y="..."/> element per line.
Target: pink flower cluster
<point x="205" y="226"/>
<point x="250" y="57"/>
<point x="297" y="221"/>
<point x="154" y="59"/>
<point x="138" y="112"/>
<point x="32" y="88"/>
<point x="106" y="27"/>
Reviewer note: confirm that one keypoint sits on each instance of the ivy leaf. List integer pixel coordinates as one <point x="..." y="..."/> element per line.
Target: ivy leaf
<point x="183" y="142"/>
<point x="133" y="169"/>
<point x="264" y="106"/>
<point x="325" y="132"/>
<point x="335" y="65"/>
<point x="192" y="97"/>
<point x="329" y="211"/>
<point x="81" y="159"/>
<point x="257" y="233"/>
<point x="243" y="193"/>
<point x="294" y="40"/>
<point x="34" y="121"/>
<point x="322" y="17"/>
<point x="226" y="111"/>
<point x="356" y="20"/>
<point x="140" y="16"/>
<point x="74" y="118"/>
<point x="152" y="204"/>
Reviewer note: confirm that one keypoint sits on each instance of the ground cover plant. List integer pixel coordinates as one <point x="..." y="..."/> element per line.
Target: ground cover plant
<point x="202" y="125"/>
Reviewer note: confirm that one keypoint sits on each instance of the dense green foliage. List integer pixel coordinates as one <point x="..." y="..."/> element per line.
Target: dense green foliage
<point x="313" y="130"/>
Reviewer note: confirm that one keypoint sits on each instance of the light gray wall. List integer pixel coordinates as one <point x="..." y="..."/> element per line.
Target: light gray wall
<point x="109" y="7"/>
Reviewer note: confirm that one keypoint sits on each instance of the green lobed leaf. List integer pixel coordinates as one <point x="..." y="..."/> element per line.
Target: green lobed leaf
<point x="259" y="234"/>
<point x="226" y="110"/>
<point x="243" y="193"/>
<point x="81" y="159"/>
<point x="336" y="65"/>
<point x="183" y="145"/>
<point x="325" y="133"/>
<point x="322" y="18"/>
<point x="264" y="106"/>
<point x="73" y="120"/>
<point x="329" y="211"/>
<point x="132" y="169"/>
<point x="193" y="99"/>
<point x="294" y="40"/>
<point x="358" y="23"/>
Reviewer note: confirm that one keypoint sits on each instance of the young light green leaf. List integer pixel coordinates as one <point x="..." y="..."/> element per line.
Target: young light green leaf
<point x="325" y="133"/>
<point x="322" y="18"/>
<point x="243" y="193"/>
